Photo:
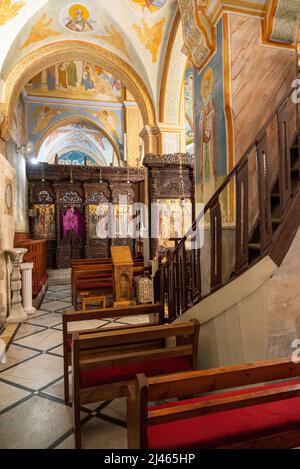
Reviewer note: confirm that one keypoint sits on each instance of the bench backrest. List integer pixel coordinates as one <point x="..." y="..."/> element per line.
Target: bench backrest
<point x="137" y="310"/>
<point x="195" y="383"/>
<point x="82" y="262"/>
<point x="121" y="347"/>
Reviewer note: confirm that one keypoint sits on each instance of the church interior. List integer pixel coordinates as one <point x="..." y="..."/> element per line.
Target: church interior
<point x="149" y="224"/>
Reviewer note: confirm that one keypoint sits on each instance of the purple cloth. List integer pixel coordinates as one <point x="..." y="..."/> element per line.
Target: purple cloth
<point x="72" y="220"/>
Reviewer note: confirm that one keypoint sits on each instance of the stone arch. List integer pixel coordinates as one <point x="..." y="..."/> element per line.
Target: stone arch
<point x="48" y="55"/>
<point x="173" y="76"/>
<point x="79" y="119"/>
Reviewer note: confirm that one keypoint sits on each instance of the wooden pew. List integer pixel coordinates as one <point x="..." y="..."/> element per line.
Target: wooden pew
<point x="96" y="261"/>
<point x="105" y="362"/>
<point x="95" y="279"/>
<point x="155" y="312"/>
<point x="102" y="270"/>
<point x="265" y="416"/>
<point x="90" y="279"/>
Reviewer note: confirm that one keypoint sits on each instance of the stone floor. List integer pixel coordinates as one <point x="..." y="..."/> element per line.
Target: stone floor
<point x="33" y="413"/>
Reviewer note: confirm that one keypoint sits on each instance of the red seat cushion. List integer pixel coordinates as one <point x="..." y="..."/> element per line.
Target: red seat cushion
<point x="231" y="426"/>
<point x="114" y="374"/>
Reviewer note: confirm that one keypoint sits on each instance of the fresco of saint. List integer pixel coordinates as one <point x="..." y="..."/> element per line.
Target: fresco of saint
<point x="152" y="5"/>
<point x="87" y="79"/>
<point x="44" y="223"/>
<point x="79" y="23"/>
<point x="72" y="74"/>
<point x="207" y="136"/>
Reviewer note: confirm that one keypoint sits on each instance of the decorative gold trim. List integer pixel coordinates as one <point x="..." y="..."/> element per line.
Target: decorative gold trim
<point x="228" y="112"/>
<point x="73" y="120"/>
<point x="51" y="54"/>
<point x="267" y="27"/>
<point x="236" y="6"/>
<point x="166" y="67"/>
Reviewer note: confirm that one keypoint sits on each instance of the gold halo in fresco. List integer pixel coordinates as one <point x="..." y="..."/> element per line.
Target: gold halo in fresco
<point x="74" y="9"/>
<point x="208" y="75"/>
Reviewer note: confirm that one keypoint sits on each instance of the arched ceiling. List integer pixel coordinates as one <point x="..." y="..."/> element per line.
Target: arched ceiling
<point x="79" y="137"/>
<point x="135" y="30"/>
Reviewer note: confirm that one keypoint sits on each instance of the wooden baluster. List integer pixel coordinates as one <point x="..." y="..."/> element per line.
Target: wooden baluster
<point x="242" y="218"/>
<point x="196" y="264"/>
<point x="171" y="290"/>
<point x="183" y="285"/>
<point x="265" y="218"/>
<point x="285" y="183"/>
<point x="216" y="244"/>
<point x="177" y="285"/>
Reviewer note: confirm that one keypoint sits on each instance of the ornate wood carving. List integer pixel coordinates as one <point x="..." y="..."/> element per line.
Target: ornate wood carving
<point x="171" y="176"/>
<point x="85" y="191"/>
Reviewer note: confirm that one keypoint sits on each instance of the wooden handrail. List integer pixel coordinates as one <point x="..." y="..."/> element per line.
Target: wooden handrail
<point x="181" y="283"/>
<point x="240" y="163"/>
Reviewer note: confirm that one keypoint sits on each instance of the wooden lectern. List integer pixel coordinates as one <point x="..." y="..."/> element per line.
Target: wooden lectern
<point x="122" y="275"/>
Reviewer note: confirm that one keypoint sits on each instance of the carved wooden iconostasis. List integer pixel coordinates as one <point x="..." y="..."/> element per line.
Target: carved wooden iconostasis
<point x="172" y="196"/>
<point x="79" y="209"/>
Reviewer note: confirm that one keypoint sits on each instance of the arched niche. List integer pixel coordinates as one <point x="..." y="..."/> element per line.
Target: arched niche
<point x="49" y="55"/>
<point x="79" y="120"/>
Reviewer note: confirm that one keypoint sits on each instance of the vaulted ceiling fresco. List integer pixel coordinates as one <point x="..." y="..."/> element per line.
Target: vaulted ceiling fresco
<point x="138" y="32"/>
<point x="76" y="80"/>
<point x="74" y="143"/>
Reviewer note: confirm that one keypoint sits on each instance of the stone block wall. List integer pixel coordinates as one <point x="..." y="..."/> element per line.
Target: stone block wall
<point x="7" y="226"/>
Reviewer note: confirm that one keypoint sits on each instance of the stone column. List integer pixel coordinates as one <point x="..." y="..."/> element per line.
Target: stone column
<point x="17" y="313"/>
<point x="26" y="269"/>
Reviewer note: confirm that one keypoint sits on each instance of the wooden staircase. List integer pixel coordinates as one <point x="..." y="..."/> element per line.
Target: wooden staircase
<point x="265" y="188"/>
<point x="254" y="246"/>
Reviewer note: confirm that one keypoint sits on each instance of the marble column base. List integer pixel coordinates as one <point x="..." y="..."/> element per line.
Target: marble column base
<point x="16" y="315"/>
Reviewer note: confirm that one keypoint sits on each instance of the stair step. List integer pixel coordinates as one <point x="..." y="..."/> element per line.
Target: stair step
<point x="276" y="221"/>
<point x="254" y="246"/>
<point x="275" y="195"/>
<point x="295" y="169"/>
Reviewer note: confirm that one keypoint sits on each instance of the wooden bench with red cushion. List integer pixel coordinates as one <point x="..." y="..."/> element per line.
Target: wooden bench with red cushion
<point x="153" y="313"/>
<point x="95" y="277"/>
<point x="264" y="416"/>
<point x="105" y="362"/>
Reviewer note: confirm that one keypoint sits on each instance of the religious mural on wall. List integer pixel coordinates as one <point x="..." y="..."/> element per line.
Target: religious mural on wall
<point x="77" y="158"/>
<point x="174" y="220"/>
<point x="17" y="130"/>
<point x="79" y="18"/>
<point x="76" y="80"/>
<point x="81" y="140"/>
<point x="9" y="9"/>
<point x="98" y="220"/>
<point x="40" y="117"/>
<point x="189" y="108"/>
<point x="151" y="36"/>
<point x="44" y="222"/>
<point x="42" y="29"/>
<point x="150" y="5"/>
<point x="210" y="125"/>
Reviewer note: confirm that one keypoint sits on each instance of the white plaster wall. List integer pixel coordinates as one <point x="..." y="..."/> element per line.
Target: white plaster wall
<point x="255" y="317"/>
<point x="234" y="327"/>
<point x="282" y="304"/>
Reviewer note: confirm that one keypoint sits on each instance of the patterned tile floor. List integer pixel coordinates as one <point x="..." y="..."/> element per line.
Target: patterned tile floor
<point x="33" y="413"/>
